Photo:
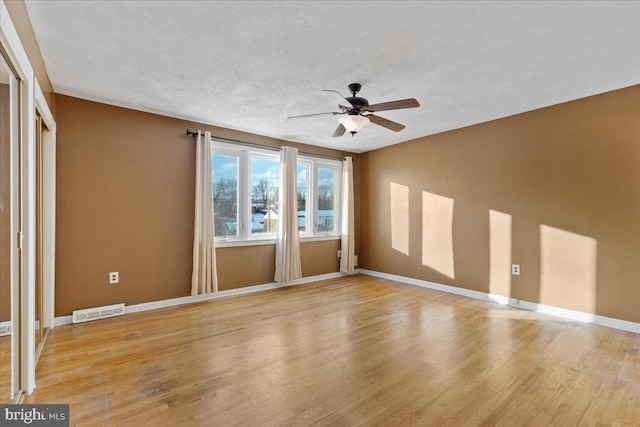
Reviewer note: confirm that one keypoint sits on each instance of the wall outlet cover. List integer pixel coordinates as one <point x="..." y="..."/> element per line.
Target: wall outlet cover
<point x="114" y="277"/>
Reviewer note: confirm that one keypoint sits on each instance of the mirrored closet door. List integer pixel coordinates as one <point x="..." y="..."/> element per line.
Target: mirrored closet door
<point x="41" y="323"/>
<point x="10" y="206"/>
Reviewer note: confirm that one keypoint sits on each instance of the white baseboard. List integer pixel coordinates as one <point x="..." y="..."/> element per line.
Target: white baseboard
<point x="526" y="305"/>
<point x="66" y="320"/>
<point x="579" y="316"/>
<point x="63" y="320"/>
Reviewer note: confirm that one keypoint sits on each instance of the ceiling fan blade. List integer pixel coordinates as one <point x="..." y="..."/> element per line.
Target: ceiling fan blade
<point x="394" y="105"/>
<point x="341" y="99"/>
<point x="339" y="131"/>
<point x="314" y="114"/>
<point x="386" y="123"/>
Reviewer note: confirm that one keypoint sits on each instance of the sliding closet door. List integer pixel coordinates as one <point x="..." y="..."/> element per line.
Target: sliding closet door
<point x="10" y="217"/>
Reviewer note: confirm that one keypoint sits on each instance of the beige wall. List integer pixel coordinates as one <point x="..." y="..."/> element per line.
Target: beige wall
<point x="253" y="265"/>
<point x="20" y="18"/>
<point x="556" y="190"/>
<point x="125" y="197"/>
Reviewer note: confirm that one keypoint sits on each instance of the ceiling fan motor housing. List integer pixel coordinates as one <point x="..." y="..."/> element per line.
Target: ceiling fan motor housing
<point x="358" y="103"/>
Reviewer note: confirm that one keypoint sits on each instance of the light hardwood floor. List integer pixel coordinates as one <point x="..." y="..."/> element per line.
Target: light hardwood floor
<point x="350" y="351"/>
<point x="5" y="369"/>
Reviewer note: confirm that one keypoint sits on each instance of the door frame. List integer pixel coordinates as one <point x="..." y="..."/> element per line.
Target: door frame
<point x="23" y="233"/>
<point x="48" y="208"/>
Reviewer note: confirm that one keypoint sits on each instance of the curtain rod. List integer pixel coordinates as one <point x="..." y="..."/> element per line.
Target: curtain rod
<point x="268" y="147"/>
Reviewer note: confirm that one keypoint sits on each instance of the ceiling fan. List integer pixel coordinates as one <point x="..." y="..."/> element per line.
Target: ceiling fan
<point x="354" y="109"/>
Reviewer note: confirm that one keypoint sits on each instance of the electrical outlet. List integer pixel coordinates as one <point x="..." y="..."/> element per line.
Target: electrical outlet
<point x="515" y="269"/>
<point x="355" y="260"/>
<point x="339" y="253"/>
<point x="114" y="277"/>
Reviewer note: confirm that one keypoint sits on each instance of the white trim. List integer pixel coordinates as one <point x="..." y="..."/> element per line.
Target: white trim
<point x="579" y="316"/>
<point x="67" y="320"/>
<point x="236" y="243"/>
<point x="29" y="230"/>
<point x="49" y="225"/>
<point x="320" y="238"/>
<point x="63" y="320"/>
<point x="257" y="242"/>
<point x="11" y="41"/>
<point x="436" y="286"/>
<point x="49" y="206"/>
<point x="43" y="107"/>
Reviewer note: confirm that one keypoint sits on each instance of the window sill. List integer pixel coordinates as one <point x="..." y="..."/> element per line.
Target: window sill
<point x="321" y="238"/>
<point x="261" y="242"/>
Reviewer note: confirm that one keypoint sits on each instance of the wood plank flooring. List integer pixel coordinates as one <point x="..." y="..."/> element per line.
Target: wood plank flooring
<point x="5" y="369"/>
<point x="343" y="352"/>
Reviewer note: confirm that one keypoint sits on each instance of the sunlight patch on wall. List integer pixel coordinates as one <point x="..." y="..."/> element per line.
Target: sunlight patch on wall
<point x="399" y="217"/>
<point x="568" y="269"/>
<point x="499" y="253"/>
<point x="437" y="233"/>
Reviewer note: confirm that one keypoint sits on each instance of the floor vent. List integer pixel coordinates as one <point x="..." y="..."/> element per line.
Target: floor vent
<point x="96" y="313"/>
<point x="5" y="328"/>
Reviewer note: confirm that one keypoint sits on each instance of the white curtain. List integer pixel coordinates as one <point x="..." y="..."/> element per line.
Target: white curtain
<point x="204" y="278"/>
<point x="288" y="246"/>
<point x="348" y="246"/>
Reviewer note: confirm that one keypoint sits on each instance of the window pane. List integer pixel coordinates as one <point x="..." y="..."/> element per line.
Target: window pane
<point x="265" y="178"/>
<point x="225" y="194"/>
<point x="326" y="199"/>
<point x="303" y="171"/>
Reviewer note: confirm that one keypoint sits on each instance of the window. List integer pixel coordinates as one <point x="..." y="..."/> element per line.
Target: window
<point x="265" y="179"/>
<point x="326" y="195"/>
<point x="303" y="213"/>
<point x="245" y="194"/>
<point x="226" y="168"/>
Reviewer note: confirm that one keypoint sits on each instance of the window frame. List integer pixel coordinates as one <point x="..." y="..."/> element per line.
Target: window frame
<point x="308" y="203"/>
<point x="337" y="196"/>
<point x="264" y="155"/>
<point x="228" y="151"/>
<point x="244" y="236"/>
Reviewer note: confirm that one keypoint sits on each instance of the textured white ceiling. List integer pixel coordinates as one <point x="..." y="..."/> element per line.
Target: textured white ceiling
<point x="249" y="65"/>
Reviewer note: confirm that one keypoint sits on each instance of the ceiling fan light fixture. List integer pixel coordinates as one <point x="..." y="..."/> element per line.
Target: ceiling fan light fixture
<point x="353" y="122"/>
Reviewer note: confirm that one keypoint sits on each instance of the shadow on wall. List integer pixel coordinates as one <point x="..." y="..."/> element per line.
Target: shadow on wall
<point x="567" y="260"/>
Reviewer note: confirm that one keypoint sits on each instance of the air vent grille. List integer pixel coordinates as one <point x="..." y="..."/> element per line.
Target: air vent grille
<point x="96" y="313"/>
<point x="5" y="328"/>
